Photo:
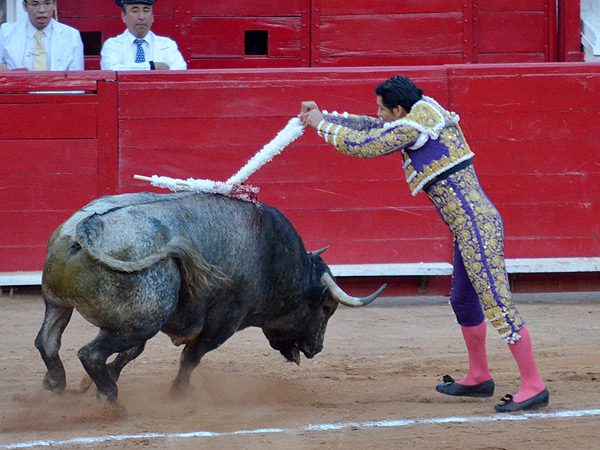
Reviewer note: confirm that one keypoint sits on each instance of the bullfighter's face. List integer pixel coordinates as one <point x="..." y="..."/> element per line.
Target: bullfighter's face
<point x="387" y="114"/>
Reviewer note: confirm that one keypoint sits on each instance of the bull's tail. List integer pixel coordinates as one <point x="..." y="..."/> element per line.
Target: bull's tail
<point x="196" y="273"/>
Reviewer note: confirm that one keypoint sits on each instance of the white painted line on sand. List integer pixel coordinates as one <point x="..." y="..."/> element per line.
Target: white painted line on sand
<point x="308" y="428"/>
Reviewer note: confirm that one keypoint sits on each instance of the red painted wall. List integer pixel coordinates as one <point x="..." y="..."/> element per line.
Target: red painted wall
<point x="319" y="33"/>
<point x="535" y="130"/>
<point x="58" y="151"/>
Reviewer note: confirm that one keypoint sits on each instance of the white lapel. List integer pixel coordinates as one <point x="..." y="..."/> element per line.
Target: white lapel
<point x="16" y="45"/>
<point x="58" y="47"/>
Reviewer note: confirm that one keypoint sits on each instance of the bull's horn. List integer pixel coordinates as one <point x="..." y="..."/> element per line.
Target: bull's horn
<point x="341" y="297"/>
<point x="318" y="252"/>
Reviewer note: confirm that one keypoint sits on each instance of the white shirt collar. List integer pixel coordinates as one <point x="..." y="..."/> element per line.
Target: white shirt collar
<point x="149" y="38"/>
<point x="31" y="30"/>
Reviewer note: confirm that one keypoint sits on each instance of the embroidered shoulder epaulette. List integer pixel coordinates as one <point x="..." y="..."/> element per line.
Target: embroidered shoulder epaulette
<point x="428" y="117"/>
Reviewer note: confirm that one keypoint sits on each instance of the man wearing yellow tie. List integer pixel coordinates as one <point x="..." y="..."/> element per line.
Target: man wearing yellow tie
<point x="38" y="42"/>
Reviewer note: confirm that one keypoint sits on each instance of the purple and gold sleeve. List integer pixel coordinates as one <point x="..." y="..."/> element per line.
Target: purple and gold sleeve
<point x="353" y="121"/>
<point x="367" y="143"/>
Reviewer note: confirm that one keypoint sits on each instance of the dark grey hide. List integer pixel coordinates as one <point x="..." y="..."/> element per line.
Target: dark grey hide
<point x="197" y="267"/>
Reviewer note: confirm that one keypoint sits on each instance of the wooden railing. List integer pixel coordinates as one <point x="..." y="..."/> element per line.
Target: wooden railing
<point x="534" y="128"/>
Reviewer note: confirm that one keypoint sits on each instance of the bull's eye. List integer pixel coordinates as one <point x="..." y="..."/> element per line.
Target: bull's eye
<point x="326" y="309"/>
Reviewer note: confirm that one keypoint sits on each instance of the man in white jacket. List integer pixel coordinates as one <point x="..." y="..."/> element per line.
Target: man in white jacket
<point x="138" y="48"/>
<point x="38" y="42"/>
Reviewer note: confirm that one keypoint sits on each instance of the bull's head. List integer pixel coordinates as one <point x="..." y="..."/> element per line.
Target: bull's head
<point x="303" y="330"/>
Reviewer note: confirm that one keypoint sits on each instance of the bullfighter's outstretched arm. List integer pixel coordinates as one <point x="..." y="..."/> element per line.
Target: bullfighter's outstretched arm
<point x="353" y="121"/>
<point x="368" y="143"/>
<point x="361" y="136"/>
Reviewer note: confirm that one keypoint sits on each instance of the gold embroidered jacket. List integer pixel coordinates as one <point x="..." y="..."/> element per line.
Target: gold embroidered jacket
<point x="429" y="137"/>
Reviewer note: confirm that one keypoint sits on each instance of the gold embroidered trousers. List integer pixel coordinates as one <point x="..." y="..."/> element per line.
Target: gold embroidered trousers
<point x="479" y="283"/>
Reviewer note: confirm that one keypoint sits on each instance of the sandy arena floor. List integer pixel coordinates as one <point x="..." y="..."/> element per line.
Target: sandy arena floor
<point x="380" y="364"/>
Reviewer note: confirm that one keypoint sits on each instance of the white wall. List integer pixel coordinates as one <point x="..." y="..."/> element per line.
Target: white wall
<point x="15" y="10"/>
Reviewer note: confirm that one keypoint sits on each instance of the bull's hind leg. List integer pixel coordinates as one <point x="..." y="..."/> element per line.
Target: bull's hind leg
<point x="48" y="343"/>
<point x="93" y="356"/>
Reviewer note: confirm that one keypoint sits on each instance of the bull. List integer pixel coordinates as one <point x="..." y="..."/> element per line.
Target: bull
<point x="198" y="267"/>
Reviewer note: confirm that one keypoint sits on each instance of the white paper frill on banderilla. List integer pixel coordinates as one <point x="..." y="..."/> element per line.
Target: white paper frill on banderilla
<point x="233" y="187"/>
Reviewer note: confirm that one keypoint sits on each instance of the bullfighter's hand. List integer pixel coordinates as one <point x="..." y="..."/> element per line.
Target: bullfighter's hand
<point x="308" y="106"/>
<point x="3" y="67"/>
<point x="311" y="118"/>
<point x="161" y="66"/>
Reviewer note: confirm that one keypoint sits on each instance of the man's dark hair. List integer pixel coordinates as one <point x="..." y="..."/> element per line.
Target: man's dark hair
<point x="399" y="91"/>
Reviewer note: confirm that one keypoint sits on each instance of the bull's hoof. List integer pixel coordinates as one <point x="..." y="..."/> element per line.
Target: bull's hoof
<point x="57" y="386"/>
<point x="85" y="384"/>
<point x="112" y="411"/>
<point x="111" y="397"/>
<point x="181" y="391"/>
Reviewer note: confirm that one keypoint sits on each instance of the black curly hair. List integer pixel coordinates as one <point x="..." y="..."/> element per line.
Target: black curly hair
<point x="399" y="91"/>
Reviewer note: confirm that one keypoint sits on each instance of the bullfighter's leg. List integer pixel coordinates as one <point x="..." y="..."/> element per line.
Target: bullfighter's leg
<point x="48" y="343"/>
<point x="479" y="231"/>
<point x="93" y="356"/>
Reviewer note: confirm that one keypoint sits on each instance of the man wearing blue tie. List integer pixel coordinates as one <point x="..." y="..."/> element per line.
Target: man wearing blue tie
<point x="138" y="48"/>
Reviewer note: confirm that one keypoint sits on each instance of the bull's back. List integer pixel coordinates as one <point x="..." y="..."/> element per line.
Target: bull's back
<point x="241" y="239"/>
<point x="71" y="277"/>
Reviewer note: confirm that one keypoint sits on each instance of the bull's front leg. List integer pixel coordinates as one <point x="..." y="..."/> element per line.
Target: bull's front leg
<point x="194" y="351"/>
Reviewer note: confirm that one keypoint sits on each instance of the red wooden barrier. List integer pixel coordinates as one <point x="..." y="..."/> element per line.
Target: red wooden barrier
<point x="432" y="32"/>
<point x="58" y="152"/>
<point x="538" y="151"/>
<point x="569" y="26"/>
<point x="301" y="33"/>
<point x="534" y="128"/>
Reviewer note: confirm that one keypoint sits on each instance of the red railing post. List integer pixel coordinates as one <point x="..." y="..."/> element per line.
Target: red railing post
<point x="569" y="31"/>
<point x="108" y="137"/>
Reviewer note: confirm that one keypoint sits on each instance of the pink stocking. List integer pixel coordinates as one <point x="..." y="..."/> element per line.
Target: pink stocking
<point x="478" y="365"/>
<point x="531" y="383"/>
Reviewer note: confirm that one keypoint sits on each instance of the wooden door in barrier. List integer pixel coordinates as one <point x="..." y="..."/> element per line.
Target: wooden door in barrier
<point x="58" y="150"/>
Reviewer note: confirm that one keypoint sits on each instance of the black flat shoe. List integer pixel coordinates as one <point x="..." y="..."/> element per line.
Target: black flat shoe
<point x="451" y="387"/>
<point x="537" y="401"/>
